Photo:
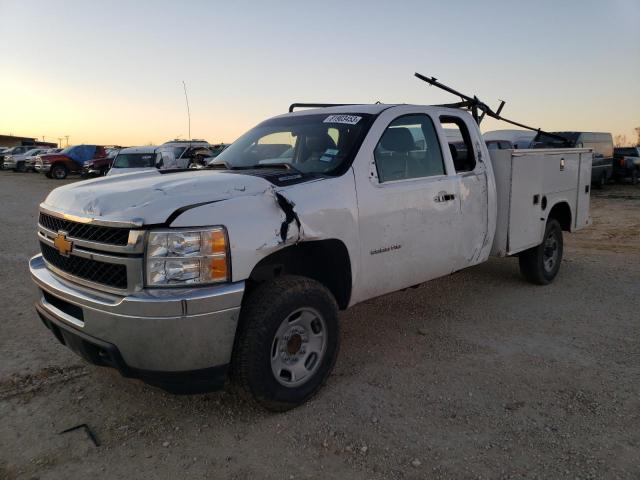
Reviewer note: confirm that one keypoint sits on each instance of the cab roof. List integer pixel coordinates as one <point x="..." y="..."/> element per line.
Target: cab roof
<point x="370" y="108"/>
<point x="144" y="149"/>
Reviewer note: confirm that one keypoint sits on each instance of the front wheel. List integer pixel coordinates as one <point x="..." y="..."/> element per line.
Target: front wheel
<point x="288" y="342"/>
<point x="541" y="264"/>
<point x="21" y="167"/>
<point x="59" y="171"/>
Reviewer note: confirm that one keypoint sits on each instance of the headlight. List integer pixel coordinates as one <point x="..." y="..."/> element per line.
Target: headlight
<point x="187" y="257"/>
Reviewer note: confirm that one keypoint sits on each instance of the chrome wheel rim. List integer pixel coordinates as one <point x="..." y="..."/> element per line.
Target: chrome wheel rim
<point x="550" y="255"/>
<point x="298" y="347"/>
<point x="58" y="173"/>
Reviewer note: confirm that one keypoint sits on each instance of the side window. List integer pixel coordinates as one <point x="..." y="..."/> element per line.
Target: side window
<point x="409" y="148"/>
<point x="462" y="154"/>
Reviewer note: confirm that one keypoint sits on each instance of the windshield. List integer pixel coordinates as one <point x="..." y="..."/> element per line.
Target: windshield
<point x="175" y="151"/>
<point x="135" y="160"/>
<point x="318" y="143"/>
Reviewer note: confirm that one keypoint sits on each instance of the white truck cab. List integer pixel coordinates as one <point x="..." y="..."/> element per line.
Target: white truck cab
<point x="173" y="277"/>
<point x="137" y="159"/>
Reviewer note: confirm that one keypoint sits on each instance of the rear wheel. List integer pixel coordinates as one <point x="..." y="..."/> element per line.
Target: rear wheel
<point x="541" y="264"/>
<point x="21" y="167"/>
<point x="601" y="181"/>
<point x="288" y="342"/>
<point x="59" y="171"/>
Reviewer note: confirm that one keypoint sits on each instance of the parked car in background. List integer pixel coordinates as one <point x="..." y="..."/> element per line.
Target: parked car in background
<point x="30" y="163"/>
<point x="503" y="139"/>
<point x="19" y="150"/>
<point x="186" y="152"/>
<point x="600" y="142"/>
<point x="201" y="156"/>
<point x="98" y="167"/>
<point x="136" y="159"/>
<point x="626" y="164"/>
<point x="70" y="160"/>
<point x="21" y="162"/>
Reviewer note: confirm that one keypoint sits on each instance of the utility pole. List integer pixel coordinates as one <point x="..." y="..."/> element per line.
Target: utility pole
<point x="59" y="142"/>
<point x="67" y="137"/>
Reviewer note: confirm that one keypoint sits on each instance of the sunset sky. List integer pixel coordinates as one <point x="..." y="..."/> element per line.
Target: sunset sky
<point x="111" y="72"/>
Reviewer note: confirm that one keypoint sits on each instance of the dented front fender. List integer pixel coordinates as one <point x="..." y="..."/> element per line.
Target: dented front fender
<point x="263" y="223"/>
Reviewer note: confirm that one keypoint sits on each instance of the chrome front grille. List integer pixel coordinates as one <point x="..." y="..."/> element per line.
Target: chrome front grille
<point x="106" y="258"/>
<point x="108" y="274"/>
<point x="86" y="231"/>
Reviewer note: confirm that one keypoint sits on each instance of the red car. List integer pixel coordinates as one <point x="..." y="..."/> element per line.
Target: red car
<point x="70" y="160"/>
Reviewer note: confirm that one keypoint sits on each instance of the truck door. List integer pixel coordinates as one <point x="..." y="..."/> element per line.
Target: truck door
<point x="407" y="205"/>
<point x="472" y="192"/>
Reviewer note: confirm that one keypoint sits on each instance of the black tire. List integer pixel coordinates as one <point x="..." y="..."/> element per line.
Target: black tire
<point x="21" y="167"/>
<point x="534" y="263"/>
<point x="58" y="171"/>
<point x="601" y="181"/>
<point x="634" y="177"/>
<point x="263" y="315"/>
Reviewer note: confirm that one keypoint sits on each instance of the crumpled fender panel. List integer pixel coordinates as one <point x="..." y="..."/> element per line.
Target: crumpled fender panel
<point x="274" y="218"/>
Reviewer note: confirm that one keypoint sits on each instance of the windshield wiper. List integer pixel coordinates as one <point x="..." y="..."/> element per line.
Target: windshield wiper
<point x="222" y="165"/>
<point x="219" y="165"/>
<point x="285" y="165"/>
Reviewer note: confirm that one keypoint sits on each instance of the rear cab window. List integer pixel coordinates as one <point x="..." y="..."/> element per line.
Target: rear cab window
<point x="462" y="151"/>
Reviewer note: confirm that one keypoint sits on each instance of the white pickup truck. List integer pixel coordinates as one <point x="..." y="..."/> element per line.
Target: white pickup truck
<point x="181" y="278"/>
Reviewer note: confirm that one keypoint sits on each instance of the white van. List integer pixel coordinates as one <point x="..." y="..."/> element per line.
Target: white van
<point x="503" y="139"/>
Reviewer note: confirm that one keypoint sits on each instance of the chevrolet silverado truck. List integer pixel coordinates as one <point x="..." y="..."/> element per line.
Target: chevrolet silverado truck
<point x="21" y="162"/>
<point x="70" y="160"/>
<point x="182" y="278"/>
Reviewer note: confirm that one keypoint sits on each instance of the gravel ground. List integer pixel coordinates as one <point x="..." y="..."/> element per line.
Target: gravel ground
<point x="477" y="375"/>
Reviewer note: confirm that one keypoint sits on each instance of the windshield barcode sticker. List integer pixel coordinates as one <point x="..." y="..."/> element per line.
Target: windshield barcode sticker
<point x="348" y="119"/>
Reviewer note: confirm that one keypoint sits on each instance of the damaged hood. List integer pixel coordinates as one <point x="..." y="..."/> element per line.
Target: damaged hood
<point x="150" y="197"/>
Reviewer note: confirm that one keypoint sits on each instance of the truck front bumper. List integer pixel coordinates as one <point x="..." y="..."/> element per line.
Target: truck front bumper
<point x="180" y="340"/>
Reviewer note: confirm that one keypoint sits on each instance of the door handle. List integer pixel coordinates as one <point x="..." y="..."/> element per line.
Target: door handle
<point x="444" y="197"/>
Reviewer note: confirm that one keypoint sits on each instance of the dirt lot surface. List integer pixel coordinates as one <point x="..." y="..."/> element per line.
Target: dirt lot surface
<point x="477" y="375"/>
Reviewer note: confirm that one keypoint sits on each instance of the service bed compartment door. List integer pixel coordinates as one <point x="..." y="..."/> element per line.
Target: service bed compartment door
<point x="582" y="215"/>
<point x="526" y="221"/>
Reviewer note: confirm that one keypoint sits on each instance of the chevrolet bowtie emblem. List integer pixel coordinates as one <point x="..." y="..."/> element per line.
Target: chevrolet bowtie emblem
<point x="63" y="245"/>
